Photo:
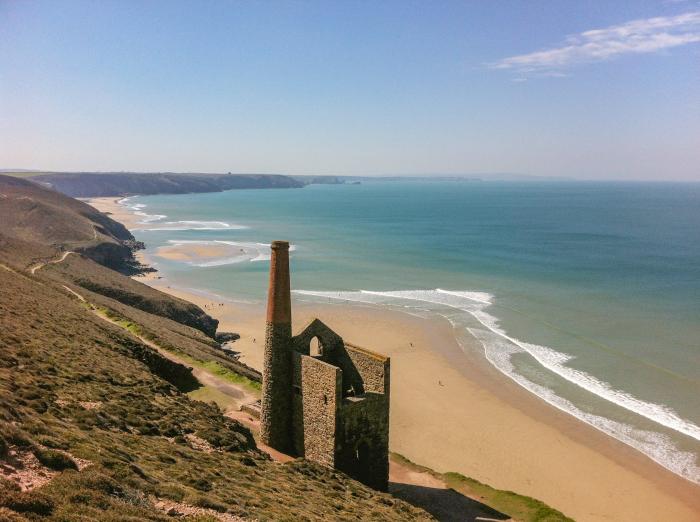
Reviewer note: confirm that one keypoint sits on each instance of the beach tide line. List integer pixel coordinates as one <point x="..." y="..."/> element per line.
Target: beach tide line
<point x="554" y="361"/>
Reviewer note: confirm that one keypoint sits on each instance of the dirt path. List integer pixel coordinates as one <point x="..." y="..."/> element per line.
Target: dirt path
<point x="63" y="257"/>
<point x="238" y="393"/>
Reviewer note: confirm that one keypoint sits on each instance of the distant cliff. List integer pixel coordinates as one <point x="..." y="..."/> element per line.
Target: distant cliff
<point x="96" y="184"/>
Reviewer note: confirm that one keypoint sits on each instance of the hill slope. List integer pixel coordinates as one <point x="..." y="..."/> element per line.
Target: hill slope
<point x="91" y="184"/>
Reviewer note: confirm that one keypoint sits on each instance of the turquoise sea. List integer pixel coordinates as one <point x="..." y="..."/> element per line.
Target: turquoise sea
<point x="585" y="294"/>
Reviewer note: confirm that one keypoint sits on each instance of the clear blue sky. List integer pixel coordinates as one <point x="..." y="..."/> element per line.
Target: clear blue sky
<point x="604" y="89"/>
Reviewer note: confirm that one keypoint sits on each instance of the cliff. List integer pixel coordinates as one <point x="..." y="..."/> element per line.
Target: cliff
<point x="92" y="184"/>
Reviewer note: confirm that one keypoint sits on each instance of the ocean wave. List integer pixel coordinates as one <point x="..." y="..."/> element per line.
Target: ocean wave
<point x="148" y="219"/>
<point x="137" y="209"/>
<point x="657" y="446"/>
<point x="193" y="225"/>
<point x="499" y="347"/>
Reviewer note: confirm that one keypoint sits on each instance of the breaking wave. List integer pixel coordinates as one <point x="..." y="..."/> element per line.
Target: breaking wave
<point x="499" y="347"/>
<point x="191" y="225"/>
<point x="149" y="219"/>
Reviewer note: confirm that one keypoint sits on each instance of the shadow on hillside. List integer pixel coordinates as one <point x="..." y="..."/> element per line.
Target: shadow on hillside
<point x="446" y="505"/>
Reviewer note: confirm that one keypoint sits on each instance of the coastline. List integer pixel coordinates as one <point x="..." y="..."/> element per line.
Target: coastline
<point x="452" y="412"/>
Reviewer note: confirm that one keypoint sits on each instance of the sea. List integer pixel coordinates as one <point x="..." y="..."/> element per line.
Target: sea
<point x="585" y="294"/>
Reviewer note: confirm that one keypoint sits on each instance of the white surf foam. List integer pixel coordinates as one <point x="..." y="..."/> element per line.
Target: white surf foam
<point x="659" y="447"/>
<point x="137" y="209"/>
<point x="148" y="219"/>
<point x="499" y="347"/>
<point x="194" y="225"/>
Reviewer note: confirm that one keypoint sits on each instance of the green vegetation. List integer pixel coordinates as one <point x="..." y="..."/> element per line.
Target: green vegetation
<point x="210" y="394"/>
<point x="210" y="366"/>
<point x="226" y="374"/>
<point x="519" y="507"/>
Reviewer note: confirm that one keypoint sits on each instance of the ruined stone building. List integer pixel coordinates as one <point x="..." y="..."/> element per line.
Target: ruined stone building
<point x="328" y="404"/>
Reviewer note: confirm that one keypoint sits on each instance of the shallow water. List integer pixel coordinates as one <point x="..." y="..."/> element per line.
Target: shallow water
<point x="586" y="294"/>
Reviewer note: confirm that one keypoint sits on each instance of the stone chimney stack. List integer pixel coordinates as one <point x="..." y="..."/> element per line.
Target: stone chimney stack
<point x="276" y="411"/>
<point x="279" y="303"/>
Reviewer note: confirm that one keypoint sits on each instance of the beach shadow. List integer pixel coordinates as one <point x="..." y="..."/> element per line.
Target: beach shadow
<point x="446" y="505"/>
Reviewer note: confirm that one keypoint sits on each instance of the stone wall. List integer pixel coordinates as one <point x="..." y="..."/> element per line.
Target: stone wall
<point x="373" y="369"/>
<point x="362" y="448"/>
<point x="316" y="402"/>
<point x="332" y="351"/>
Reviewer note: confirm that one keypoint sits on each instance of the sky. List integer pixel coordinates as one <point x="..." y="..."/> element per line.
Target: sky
<point x="583" y="89"/>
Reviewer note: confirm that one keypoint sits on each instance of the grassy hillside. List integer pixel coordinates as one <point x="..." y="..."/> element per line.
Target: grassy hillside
<point x="39" y="224"/>
<point x="76" y="388"/>
<point x="101" y="280"/>
<point x="48" y="219"/>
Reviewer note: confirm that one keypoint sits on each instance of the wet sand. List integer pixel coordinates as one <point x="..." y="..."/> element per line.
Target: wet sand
<point x="451" y="411"/>
<point x="193" y="253"/>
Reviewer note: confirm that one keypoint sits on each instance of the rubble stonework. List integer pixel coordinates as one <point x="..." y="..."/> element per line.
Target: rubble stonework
<point x="331" y="407"/>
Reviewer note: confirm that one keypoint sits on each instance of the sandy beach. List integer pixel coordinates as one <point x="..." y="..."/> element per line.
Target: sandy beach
<point x="116" y="211"/>
<point x="453" y="412"/>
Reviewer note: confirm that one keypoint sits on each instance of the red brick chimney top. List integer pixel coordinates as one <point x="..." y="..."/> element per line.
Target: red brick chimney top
<point x="279" y="305"/>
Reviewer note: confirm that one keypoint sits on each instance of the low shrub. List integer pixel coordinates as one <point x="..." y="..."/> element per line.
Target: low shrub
<point x="29" y="502"/>
<point x="205" y="502"/>
<point x="4" y="447"/>
<point x="55" y="460"/>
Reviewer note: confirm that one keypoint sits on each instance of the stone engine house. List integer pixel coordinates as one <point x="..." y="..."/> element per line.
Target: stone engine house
<point x="322" y="399"/>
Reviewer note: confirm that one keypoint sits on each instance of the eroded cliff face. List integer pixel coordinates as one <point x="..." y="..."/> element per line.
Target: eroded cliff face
<point x="103" y="281"/>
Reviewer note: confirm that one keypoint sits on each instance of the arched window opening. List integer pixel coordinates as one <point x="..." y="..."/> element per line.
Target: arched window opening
<point x="315" y="347"/>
